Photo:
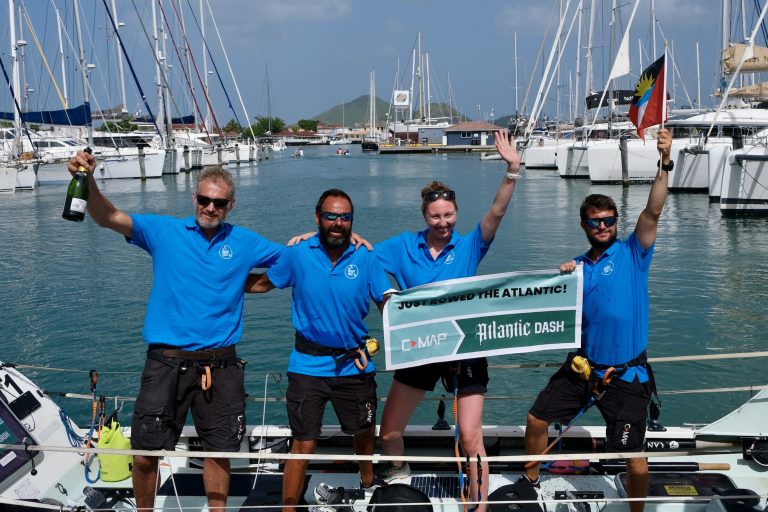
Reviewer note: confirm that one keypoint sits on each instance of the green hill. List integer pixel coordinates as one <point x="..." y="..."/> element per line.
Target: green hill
<point x="355" y="113"/>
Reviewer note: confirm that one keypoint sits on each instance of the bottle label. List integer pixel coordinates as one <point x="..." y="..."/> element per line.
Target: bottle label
<point x="78" y="205"/>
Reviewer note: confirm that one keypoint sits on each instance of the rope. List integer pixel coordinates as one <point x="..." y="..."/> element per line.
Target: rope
<point x="669" y="359"/>
<point x="456" y="452"/>
<point x="701" y="357"/>
<point x="605" y="500"/>
<point x="264" y="399"/>
<point x="376" y="457"/>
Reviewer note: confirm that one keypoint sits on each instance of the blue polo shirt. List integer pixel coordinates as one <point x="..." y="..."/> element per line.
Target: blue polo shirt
<point x="406" y="257"/>
<point x="329" y="302"/>
<point x="615" y="305"/>
<point x="198" y="285"/>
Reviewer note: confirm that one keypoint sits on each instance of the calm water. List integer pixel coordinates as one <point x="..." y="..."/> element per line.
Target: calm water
<point x="74" y="294"/>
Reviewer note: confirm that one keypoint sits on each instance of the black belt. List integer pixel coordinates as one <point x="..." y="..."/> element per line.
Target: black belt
<point x="209" y="354"/>
<point x="305" y="346"/>
<point x="641" y="360"/>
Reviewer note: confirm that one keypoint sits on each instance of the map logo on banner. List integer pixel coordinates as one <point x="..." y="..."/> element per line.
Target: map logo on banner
<point x="402" y="98"/>
<point x="483" y="316"/>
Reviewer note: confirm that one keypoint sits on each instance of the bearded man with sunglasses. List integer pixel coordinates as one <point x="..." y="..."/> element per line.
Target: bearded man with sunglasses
<point x="194" y="319"/>
<point x="333" y="285"/>
<point x="614" y="335"/>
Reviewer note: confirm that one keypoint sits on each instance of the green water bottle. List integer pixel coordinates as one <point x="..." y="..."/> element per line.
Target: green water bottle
<point x="77" y="195"/>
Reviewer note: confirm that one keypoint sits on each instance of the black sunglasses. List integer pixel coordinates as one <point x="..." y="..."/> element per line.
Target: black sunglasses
<point x="331" y="217"/>
<point x="594" y="222"/>
<point x="449" y="195"/>
<point x="218" y="202"/>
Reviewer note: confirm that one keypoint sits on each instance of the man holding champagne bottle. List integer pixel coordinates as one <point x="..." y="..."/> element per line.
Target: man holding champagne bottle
<point x="194" y="318"/>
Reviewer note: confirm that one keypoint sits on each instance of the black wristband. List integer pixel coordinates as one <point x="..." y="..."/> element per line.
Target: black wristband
<point x="668" y="167"/>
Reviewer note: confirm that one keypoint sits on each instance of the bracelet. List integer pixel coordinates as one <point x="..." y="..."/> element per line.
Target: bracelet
<point x="513" y="176"/>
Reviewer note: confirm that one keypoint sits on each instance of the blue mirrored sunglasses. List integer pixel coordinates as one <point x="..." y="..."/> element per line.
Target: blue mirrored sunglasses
<point x="594" y="222"/>
<point x="331" y="217"/>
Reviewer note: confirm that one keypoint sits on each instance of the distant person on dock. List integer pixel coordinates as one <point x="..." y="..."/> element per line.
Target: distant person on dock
<point x="194" y="319"/>
<point x="614" y="336"/>
<point x="332" y="287"/>
<point x="435" y="254"/>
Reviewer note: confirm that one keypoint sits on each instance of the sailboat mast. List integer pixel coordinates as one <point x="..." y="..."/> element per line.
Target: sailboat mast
<point x="588" y="86"/>
<point x="188" y="56"/>
<point x="614" y="10"/>
<point x="516" y="107"/>
<point x="119" y="55"/>
<point x="61" y="58"/>
<point x="726" y="29"/>
<point x="421" y="82"/>
<point x="269" y="100"/>
<point x="413" y="76"/>
<point x="429" y="100"/>
<point x="83" y="67"/>
<point x="205" y="66"/>
<point x="15" y="80"/>
<point x="575" y="108"/>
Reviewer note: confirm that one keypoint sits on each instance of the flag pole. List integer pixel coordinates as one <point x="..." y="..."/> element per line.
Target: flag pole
<point x="663" y="99"/>
<point x="664" y="92"/>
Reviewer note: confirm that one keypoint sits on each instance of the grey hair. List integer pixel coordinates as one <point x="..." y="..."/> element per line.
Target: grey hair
<point x="216" y="173"/>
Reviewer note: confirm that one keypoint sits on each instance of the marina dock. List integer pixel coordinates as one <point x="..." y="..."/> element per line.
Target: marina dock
<point x="413" y="149"/>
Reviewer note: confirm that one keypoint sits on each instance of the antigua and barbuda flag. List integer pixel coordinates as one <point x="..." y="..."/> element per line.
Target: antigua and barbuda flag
<point x="649" y="105"/>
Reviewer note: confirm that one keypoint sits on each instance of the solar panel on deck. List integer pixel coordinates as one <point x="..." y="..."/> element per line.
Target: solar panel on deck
<point x="437" y="486"/>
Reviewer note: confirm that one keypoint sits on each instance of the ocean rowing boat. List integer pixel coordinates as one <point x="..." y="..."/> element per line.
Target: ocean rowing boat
<point x="722" y="466"/>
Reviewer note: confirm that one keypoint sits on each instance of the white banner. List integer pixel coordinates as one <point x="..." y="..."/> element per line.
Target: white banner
<point x="402" y="98"/>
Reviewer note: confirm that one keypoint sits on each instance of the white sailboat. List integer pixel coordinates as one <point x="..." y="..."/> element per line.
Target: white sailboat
<point x="47" y="465"/>
<point x="401" y="121"/>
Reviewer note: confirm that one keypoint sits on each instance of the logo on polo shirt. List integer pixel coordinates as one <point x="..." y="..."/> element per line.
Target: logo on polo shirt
<point x="449" y="259"/>
<point x="607" y="269"/>
<point x="351" y="271"/>
<point x="225" y="252"/>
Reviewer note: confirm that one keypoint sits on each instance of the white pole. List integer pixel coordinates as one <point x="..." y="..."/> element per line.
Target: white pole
<point x="516" y="107"/>
<point x="698" y="78"/>
<point x="83" y="71"/>
<point x="575" y="106"/>
<point x="61" y="57"/>
<point x="207" y="121"/>
<point x="15" y="80"/>
<point x="119" y="54"/>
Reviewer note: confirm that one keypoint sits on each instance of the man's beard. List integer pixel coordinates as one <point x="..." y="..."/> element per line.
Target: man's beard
<point x="207" y="222"/>
<point x="332" y="241"/>
<point x="599" y="244"/>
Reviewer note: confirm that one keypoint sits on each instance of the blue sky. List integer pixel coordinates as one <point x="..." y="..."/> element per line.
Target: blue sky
<point x="320" y="52"/>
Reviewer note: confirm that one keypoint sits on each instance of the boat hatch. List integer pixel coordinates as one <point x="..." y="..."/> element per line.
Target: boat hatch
<point x="14" y="463"/>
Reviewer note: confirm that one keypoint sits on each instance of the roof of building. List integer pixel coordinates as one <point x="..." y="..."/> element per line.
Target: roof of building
<point x="472" y="126"/>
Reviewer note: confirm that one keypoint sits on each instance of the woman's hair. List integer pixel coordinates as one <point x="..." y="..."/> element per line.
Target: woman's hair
<point x="435" y="186"/>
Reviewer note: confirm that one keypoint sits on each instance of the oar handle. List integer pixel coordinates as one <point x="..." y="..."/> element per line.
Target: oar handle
<point x="709" y="466"/>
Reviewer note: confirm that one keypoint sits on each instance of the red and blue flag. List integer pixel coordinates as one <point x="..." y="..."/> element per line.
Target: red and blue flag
<point x="648" y="107"/>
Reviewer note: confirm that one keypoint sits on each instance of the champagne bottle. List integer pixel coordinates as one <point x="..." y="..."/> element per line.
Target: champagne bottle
<point x="77" y="195"/>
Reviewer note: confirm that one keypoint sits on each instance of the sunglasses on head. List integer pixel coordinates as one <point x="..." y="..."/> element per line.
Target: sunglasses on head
<point x="449" y="195"/>
<point x="331" y="216"/>
<point x="218" y="202"/>
<point x="594" y="222"/>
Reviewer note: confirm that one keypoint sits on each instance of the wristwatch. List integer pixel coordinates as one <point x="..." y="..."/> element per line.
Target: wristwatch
<point x="666" y="168"/>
